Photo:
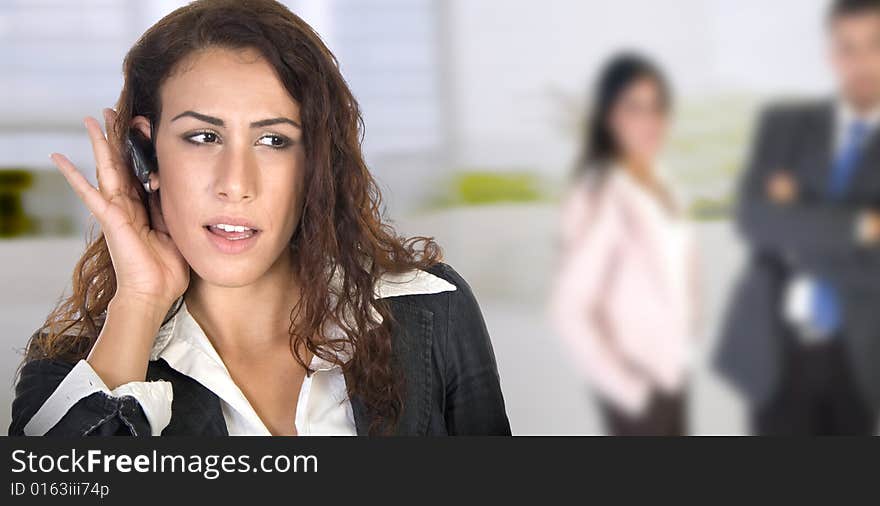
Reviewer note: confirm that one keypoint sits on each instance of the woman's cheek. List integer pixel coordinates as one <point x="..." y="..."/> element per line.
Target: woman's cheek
<point x="180" y="212"/>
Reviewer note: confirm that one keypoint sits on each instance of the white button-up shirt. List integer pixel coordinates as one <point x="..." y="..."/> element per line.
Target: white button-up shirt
<point x="323" y="407"/>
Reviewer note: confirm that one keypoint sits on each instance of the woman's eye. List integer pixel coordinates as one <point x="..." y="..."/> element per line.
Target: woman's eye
<point x="203" y="138"/>
<point x="275" y="141"/>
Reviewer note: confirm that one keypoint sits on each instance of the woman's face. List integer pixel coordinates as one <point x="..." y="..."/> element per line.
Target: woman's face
<point x="638" y="121"/>
<point x="229" y="147"/>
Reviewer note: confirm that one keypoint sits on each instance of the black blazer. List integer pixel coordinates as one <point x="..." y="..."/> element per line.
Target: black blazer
<point x="815" y="236"/>
<point x="452" y="385"/>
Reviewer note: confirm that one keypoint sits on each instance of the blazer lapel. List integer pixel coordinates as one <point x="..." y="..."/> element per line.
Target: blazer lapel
<point x="866" y="180"/>
<point x="361" y="420"/>
<point x="412" y="334"/>
<point x="195" y="410"/>
<point x="816" y="149"/>
<point x="818" y="156"/>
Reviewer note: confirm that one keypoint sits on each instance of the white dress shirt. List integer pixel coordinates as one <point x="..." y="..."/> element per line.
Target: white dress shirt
<point x="800" y="291"/>
<point x="323" y="407"/>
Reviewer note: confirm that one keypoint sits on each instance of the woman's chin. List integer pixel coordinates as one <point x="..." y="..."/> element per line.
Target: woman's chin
<point x="227" y="274"/>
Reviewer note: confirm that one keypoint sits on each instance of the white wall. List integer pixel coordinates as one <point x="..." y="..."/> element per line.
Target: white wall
<point x="513" y="59"/>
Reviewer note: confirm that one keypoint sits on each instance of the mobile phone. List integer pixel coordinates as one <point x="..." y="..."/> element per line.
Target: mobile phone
<point x="143" y="157"/>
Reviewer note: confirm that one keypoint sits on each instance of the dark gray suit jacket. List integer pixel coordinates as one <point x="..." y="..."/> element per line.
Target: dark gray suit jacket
<point x="815" y="236"/>
<point x="452" y="385"/>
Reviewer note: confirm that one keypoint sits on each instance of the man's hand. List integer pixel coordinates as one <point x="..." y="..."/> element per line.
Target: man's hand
<point x="869" y="227"/>
<point x="782" y="188"/>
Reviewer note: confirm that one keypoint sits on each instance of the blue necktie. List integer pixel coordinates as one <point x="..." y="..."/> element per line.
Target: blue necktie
<point x="827" y="313"/>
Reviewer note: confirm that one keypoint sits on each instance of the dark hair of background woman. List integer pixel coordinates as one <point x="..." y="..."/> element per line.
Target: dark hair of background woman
<point x="619" y="73"/>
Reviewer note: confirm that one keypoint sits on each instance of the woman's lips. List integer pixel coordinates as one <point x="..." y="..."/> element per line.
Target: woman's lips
<point x="232" y="242"/>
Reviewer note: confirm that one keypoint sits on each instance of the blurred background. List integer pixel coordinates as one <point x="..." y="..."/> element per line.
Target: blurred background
<point x="473" y="119"/>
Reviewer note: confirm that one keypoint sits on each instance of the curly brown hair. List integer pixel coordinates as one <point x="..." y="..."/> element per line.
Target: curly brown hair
<point x="341" y="229"/>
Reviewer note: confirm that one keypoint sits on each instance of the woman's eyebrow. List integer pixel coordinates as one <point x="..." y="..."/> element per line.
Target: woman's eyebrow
<point x="203" y="117"/>
<point x="219" y="122"/>
<point x="274" y="121"/>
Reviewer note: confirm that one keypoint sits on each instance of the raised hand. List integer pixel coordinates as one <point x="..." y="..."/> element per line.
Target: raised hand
<point x="148" y="265"/>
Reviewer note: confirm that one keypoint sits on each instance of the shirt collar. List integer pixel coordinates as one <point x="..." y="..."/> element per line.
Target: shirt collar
<point x="182" y="340"/>
<point x="846" y="114"/>
<point x="182" y="343"/>
<point x="661" y="173"/>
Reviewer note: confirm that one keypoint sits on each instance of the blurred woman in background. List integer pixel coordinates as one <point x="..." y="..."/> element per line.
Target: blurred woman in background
<point x="624" y="295"/>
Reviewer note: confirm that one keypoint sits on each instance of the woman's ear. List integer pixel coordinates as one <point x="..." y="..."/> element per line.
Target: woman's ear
<point x="154" y="181"/>
<point x="142" y="124"/>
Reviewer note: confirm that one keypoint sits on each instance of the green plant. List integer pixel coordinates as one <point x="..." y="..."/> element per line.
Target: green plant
<point x="482" y="187"/>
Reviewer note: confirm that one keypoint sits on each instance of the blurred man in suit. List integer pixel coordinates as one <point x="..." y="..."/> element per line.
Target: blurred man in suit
<point x="802" y="336"/>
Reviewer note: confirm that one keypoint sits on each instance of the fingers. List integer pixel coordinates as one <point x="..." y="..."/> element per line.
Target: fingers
<point x="110" y="182"/>
<point x="109" y="122"/>
<point x="128" y="180"/>
<point x="90" y="195"/>
<point x="108" y="118"/>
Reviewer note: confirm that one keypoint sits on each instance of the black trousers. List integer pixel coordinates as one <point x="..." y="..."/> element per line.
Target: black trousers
<point x="817" y="394"/>
<point x="665" y="416"/>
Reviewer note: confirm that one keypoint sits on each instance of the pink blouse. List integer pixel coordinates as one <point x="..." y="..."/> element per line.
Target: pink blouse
<point x="625" y="293"/>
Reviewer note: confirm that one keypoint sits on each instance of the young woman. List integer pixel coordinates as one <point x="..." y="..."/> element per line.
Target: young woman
<point x="248" y="285"/>
<point x="624" y="295"/>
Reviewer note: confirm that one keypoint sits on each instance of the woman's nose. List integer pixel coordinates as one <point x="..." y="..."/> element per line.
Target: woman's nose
<point x="237" y="179"/>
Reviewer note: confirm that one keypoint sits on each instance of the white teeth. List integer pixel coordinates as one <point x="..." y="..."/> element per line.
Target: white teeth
<point x="231" y="228"/>
<point x="244" y="232"/>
